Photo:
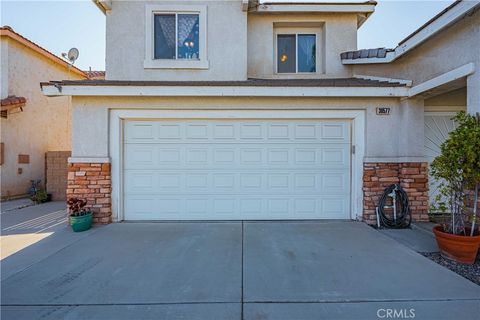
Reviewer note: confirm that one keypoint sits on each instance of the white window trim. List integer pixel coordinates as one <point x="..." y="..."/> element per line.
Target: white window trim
<point x="299" y="31"/>
<point x="150" y="62"/>
<point x="118" y="118"/>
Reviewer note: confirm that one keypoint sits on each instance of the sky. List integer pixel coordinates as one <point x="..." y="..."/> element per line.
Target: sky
<point x="62" y="24"/>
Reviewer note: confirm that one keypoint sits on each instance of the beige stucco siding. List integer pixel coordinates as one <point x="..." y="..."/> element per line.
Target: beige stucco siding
<point x="339" y="32"/>
<point x="450" y="49"/>
<point x="4" y="69"/>
<point x="45" y="123"/>
<point x="452" y="101"/>
<point x="393" y="136"/>
<point x="226" y="42"/>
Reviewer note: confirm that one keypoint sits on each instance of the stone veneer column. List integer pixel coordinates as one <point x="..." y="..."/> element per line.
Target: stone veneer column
<point x="92" y="182"/>
<point x="412" y="176"/>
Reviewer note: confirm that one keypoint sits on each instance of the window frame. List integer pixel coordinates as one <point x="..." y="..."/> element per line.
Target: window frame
<point x="150" y="61"/>
<point x="298" y="31"/>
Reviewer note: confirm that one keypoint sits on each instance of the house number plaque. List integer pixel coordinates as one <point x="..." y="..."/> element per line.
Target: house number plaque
<point x="383" y="111"/>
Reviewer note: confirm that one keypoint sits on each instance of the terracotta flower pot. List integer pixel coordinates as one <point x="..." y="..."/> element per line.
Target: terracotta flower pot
<point x="456" y="247"/>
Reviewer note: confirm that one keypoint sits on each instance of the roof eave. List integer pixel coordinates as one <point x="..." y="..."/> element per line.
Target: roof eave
<point x="345" y="7"/>
<point x="35" y="47"/>
<point x="103" y="5"/>
<point x="53" y="90"/>
<point x="445" y="19"/>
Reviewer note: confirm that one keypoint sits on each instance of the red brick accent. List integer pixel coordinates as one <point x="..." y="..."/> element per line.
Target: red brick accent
<point x="92" y="182"/>
<point x="412" y="176"/>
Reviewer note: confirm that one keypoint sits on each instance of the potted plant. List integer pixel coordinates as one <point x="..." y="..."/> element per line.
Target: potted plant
<point x="80" y="218"/>
<point x="458" y="169"/>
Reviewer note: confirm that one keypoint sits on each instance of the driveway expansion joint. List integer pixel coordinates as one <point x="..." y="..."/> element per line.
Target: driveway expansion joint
<point x="241" y="276"/>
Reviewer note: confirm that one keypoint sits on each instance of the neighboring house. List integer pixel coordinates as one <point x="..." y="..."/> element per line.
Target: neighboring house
<point x="35" y="130"/>
<point x="230" y="110"/>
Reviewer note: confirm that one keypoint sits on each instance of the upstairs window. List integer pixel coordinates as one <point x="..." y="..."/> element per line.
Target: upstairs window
<point x="177" y="36"/>
<point x="296" y="53"/>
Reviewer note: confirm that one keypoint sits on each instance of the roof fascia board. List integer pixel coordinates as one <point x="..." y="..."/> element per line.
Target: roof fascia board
<point x="413" y="41"/>
<point x="12" y="106"/>
<point x="442" y="79"/>
<point x="245" y="4"/>
<point x="186" y="91"/>
<point x="103" y="5"/>
<point x="29" y="44"/>
<point x="449" y="18"/>
<point x="327" y="7"/>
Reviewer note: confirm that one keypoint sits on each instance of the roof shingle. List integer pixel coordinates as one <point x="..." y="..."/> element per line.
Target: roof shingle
<point x="336" y="82"/>
<point x="12" y="101"/>
<point x="365" y="53"/>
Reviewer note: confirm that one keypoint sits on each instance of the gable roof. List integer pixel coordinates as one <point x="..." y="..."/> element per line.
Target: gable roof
<point x="7" y="31"/>
<point x="446" y="18"/>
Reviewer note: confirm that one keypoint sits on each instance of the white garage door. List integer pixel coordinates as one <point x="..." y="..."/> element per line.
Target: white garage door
<point x="236" y="169"/>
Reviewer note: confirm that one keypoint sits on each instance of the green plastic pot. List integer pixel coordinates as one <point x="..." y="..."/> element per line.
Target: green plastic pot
<point x="81" y="223"/>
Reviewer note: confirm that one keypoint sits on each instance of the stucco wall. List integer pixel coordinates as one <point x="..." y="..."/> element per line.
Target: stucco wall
<point x="230" y="34"/>
<point x="450" y="49"/>
<point x="226" y="42"/>
<point x="388" y="137"/>
<point x="339" y="32"/>
<point x="4" y="68"/>
<point x="43" y="126"/>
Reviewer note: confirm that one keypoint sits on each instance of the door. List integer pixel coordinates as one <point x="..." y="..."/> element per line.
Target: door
<point x="437" y="128"/>
<point x="237" y="169"/>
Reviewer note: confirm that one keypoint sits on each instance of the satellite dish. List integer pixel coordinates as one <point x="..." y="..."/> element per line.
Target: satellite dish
<point x="72" y="55"/>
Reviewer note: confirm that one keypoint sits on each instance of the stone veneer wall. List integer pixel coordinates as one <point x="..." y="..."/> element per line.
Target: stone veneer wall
<point x="412" y="176"/>
<point x="56" y="169"/>
<point x="470" y="201"/>
<point x="92" y="182"/>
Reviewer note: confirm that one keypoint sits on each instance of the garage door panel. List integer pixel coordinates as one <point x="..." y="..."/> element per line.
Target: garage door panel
<point x="237" y="183"/>
<point x="224" y="207"/>
<point x="212" y="156"/>
<point x="198" y="131"/>
<point x="241" y="169"/>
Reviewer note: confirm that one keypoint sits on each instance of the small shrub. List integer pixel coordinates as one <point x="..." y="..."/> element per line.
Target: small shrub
<point x="458" y="169"/>
<point x="40" y="196"/>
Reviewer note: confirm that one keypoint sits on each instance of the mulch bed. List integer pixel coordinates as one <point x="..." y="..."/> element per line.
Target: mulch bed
<point x="470" y="272"/>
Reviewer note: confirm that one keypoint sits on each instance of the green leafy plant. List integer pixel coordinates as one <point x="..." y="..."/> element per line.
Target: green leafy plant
<point x="40" y="196"/>
<point x="458" y="169"/>
<point x="76" y="207"/>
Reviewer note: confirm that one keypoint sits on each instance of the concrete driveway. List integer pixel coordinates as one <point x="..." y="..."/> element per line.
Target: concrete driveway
<point x="235" y="270"/>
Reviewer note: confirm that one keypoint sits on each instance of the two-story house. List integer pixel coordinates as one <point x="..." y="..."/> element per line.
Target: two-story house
<point x="235" y="109"/>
